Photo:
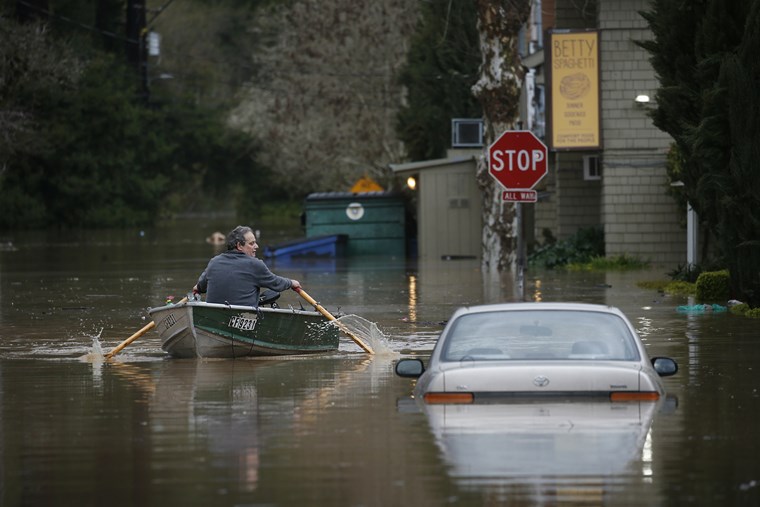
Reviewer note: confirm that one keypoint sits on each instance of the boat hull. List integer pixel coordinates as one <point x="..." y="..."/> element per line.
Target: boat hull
<point x="197" y="329"/>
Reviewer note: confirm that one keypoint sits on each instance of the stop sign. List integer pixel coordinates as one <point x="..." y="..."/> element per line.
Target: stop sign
<point x="517" y="160"/>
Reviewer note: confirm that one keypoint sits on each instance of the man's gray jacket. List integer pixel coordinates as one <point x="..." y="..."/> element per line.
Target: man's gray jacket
<point x="234" y="278"/>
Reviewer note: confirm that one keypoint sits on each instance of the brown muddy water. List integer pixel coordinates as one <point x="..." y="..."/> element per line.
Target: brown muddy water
<point x="341" y="429"/>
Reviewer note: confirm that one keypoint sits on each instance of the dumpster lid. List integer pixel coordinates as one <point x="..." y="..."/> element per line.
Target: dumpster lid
<point x="321" y="196"/>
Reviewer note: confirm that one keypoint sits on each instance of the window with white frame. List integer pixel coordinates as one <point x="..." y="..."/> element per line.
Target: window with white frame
<point x="592" y="167"/>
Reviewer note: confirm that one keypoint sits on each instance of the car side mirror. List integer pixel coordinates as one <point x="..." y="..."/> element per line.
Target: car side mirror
<point x="409" y="368"/>
<point x="664" y="366"/>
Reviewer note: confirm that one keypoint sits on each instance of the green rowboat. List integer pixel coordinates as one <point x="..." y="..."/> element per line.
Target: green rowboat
<point x="208" y="330"/>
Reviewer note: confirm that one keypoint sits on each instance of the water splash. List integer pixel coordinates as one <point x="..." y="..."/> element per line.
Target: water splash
<point x="96" y="354"/>
<point x="369" y="333"/>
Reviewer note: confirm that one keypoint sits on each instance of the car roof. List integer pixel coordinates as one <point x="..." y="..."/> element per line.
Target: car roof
<point x="504" y="307"/>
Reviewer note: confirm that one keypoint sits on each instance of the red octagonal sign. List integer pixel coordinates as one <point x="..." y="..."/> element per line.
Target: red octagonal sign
<point x="517" y="160"/>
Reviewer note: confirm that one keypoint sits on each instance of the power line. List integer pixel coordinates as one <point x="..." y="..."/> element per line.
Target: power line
<point x="79" y="24"/>
<point x="237" y="65"/>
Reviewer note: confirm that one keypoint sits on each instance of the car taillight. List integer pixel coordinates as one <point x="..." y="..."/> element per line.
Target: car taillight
<point x="448" y="398"/>
<point x="634" y="396"/>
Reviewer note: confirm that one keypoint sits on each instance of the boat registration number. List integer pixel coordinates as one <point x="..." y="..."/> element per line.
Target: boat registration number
<point x="170" y="321"/>
<point x="242" y="323"/>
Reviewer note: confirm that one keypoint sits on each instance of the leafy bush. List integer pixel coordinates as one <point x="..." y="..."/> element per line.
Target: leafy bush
<point x="617" y="262"/>
<point x="676" y="287"/>
<point x="713" y="286"/>
<point x="582" y="247"/>
<point x="681" y="288"/>
<point x="743" y="309"/>
<point x="658" y="285"/>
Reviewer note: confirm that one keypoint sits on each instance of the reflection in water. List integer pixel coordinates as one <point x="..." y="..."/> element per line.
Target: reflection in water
<point x="234" y="417"/>
<point x="307" y="414"/>
<point x="544" y="449"/>
<point x="412" y="296"/>
<point x="210" y="408"/>
<point x="219" y="402"/>
<point x="537" y="296"/>
<point x="646" y="458"/>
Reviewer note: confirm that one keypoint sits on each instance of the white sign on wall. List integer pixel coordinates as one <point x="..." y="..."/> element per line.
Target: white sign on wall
<point x="355" y="211"/>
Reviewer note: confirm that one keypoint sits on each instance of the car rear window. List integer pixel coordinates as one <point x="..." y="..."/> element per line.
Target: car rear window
<point x="543" y="334"/>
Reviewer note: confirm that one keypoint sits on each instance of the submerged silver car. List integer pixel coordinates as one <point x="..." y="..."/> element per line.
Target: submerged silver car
<point x="536" y="349"/>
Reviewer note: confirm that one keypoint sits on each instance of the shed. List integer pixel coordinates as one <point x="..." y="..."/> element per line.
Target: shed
<point x="448" y="206"/>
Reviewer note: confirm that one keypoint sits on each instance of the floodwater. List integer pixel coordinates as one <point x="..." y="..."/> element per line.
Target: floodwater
<point x="341" y="429"/>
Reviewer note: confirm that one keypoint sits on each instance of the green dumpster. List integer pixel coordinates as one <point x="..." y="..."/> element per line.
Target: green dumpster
<point x="373" y="221"/>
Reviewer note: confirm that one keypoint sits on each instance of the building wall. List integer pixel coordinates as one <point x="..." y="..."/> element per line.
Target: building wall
<point x="574" y="15"/>
<point x="581" y="199"/>
<point x="639" y="218"/>
<point x="449" y="214"/>
<point x="569" y="202"/>
<point x="545" y="216"/>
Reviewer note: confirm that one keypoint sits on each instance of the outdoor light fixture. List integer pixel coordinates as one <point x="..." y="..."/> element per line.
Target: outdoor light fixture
<point x="641" y="99"/>
<point x="411" y="182"/>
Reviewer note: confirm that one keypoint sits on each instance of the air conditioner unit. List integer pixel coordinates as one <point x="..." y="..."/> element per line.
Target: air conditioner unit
<point x="466" y="133"/>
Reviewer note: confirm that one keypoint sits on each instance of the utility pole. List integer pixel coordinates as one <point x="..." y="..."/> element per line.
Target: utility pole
<point x="137" y="52"/>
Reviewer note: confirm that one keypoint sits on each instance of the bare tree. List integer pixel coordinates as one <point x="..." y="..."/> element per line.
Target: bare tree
<point x="498" y="89"/>
<point x="327" y="94"/>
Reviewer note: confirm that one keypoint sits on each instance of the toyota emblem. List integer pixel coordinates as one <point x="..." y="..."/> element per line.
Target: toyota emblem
<point x="541" y="381"/>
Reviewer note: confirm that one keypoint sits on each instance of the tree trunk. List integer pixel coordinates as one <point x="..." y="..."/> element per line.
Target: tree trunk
<point x="498" y="89"/>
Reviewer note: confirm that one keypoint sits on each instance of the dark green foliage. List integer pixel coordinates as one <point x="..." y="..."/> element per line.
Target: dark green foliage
<point x="738" y="209"/>
<point x="105" y="164"/>
<point x="686" y="273"/>
<point x="216" y="164"/>
<point x="744" y="310"/>
<point x="614" y="263"/>
<point x="582" y="247"/>
<point x="705" y="56"/>
<point x="713" y="286"/>
<point x="96" y="163"/>
<point x="442" y="65"/>
<point x="84" y="151"/>
<point x="674" y="168"/>
<point x="688" y="47"/>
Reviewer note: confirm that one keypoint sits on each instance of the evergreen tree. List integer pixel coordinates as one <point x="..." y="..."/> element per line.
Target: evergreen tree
<point x="442" y="65"/>
<point x="35" y="69"/>
<point x="702" y="52"/>
<point x="79" y="149"/>
<point x="738" y="182"/>
<point x="690" y="40"/>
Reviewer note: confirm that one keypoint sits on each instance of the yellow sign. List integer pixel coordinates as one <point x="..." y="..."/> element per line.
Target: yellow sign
<point x="366" y="184"/>
<point x="574" y="71"/>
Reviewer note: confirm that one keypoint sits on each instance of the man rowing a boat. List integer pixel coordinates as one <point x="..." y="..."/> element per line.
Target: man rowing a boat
<point x="236" y="276"/>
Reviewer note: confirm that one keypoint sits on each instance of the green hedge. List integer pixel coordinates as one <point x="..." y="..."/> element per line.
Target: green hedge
<point x="744" y="310"/>
<point x="713" y="286"/>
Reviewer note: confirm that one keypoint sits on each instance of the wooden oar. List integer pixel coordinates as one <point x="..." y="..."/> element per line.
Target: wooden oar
<point x="329" y="316"/>
<point x="135" y="336"/>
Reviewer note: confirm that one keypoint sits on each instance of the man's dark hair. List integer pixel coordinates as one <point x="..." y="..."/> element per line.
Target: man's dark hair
<point x="237" y="235"/>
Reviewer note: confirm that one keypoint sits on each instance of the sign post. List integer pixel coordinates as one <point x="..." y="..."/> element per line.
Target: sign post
<point x="518" y="161"/>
